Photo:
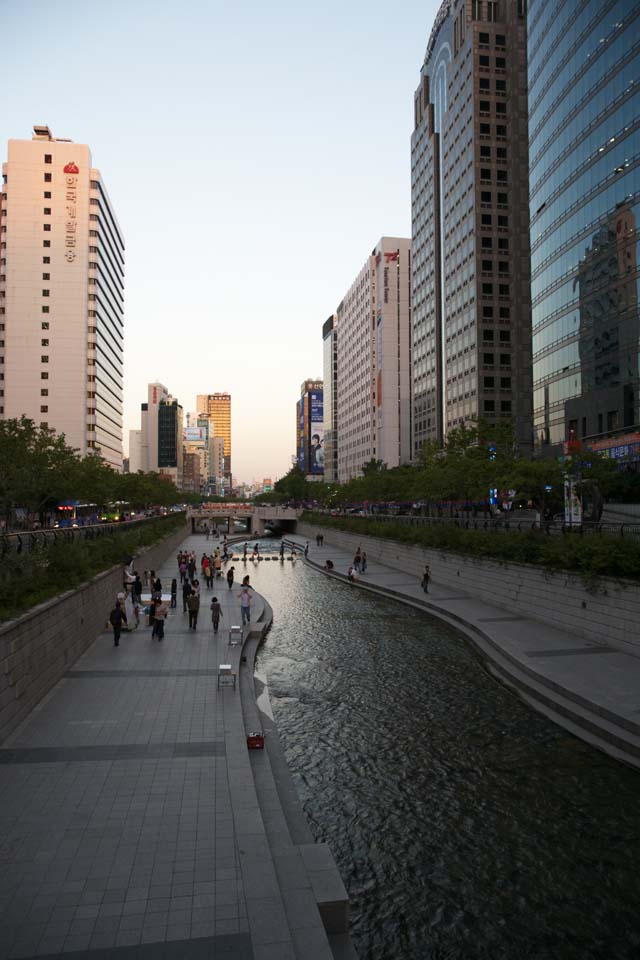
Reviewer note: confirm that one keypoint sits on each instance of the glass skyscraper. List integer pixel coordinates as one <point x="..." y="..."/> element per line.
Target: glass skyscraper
<point x="584" y="146"/>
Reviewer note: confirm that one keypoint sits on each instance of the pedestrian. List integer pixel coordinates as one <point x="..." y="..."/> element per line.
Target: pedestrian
<point x="426" y="576"/>
<point x="183" y="569"/>
<point x="193" y="606"/>
<point x="208" y="574"/>
<point x="246" y="582"/>
<point x="244" y="551"/>
<point x="186" y="592"/>
<point x="322" y="539"/>
<point x="357" y="560"/>
<point x="282" y="549"/>
<point x="306" y="550"/>
<point x="161" y="614"/>
<point x="352" y="573"/>
<point x="317" y="539"/>
<point x="174" y="593"/>
<point x="230" y="577"/>
<point x="116" y="618"/>
<point x="216" y="613"/>
<point x="191" y="569"/>
<point x="245" y="604"/>
<point x="157" y="587"/>
<point x="363" y="565"/>
<point x="137" y="587"/>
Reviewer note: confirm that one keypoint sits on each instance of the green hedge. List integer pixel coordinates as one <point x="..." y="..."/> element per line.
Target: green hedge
<point x="29" y="579"/>
<point x="590" y="555"/>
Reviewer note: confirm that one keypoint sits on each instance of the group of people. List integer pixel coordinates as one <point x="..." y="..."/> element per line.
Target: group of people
<point x="358" y="566"/>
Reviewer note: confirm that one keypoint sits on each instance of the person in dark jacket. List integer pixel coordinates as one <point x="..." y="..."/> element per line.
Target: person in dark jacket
<point x="216" y="613"/>
<point x="186" y="593"/>
<point x="116" y="618"/>
<point x="193" y="605"/>
<point x="137" y="587"/>
<point x="230" y="573"/>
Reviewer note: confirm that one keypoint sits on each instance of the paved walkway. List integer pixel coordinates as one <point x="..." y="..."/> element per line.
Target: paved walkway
<point x="129" y="820"/>
<point x="591" y="689"/>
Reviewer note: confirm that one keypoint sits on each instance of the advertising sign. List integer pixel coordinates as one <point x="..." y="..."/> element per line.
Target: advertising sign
<point x="301" y="461"/>
<point x="194" y="435"/>
<point x="316" y="430"/>
<point x="572" y="504"/>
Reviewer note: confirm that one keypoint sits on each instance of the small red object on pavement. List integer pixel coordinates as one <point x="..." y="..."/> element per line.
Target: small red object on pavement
<point x="255" y="741"/>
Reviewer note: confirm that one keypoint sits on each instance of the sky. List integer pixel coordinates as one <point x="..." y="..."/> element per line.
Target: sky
<point x="254" y="154"/>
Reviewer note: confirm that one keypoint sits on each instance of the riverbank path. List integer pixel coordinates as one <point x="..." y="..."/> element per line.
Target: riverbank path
<point x="129" y="821"/>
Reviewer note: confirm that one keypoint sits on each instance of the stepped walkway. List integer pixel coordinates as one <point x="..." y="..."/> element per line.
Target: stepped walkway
<point x="131" y="825"/>
<point x="591" y="689"/>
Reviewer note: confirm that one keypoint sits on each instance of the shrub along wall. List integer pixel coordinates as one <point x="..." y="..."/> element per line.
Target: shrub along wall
<point x="607" y="610"/>
<point x="39" y="647"/>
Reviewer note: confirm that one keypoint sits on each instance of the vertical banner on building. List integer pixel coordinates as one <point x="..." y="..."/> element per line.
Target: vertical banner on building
<point x="572" y="504"/>
<point x="301" y="435"/>
<point x="316" y="427"/>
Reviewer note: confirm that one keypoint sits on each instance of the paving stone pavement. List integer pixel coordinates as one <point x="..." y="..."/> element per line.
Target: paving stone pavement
<point x="117" y="834"/>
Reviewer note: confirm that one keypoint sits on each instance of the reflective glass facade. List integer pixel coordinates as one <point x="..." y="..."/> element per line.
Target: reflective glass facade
<point x="584" y="142"/>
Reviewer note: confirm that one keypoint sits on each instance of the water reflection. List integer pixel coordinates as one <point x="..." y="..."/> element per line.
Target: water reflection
<point x="465" y="825"/>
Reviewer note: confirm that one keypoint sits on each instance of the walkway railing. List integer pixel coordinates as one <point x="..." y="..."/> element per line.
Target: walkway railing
<point x="505" y="525"/>
<point x="39" y="541"/>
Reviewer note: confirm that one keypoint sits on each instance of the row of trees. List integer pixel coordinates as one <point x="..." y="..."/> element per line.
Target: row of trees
<point x="38" y="470"/>
<point x="476" y="458"/>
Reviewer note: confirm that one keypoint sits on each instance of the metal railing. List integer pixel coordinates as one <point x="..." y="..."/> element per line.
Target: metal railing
<point x="504" y="525"/>
<point x="39" y="541"/>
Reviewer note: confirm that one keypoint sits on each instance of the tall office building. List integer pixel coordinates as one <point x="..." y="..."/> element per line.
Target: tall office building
<point x="471" y="345"/>
<point x="584" y="140"/>
<point x="61" y="295"/>
<point x="330" y="369"/>
<point x="373" y="382"/>
<point x="157" y="447"/>
<point x="216" y="407"/>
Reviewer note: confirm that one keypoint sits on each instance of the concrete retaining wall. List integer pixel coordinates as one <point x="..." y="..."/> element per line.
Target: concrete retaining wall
<point x="610" y="613"/>
<point x="37" y="648"/>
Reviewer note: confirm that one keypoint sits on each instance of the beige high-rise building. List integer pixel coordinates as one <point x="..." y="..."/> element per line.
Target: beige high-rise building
<point x="471" y="295"/>
<point x="372" y="387"/>
<point x="216" y="407"/>
<point x="61" y="295"/>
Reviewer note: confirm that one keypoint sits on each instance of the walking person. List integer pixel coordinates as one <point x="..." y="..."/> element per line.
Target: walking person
<point x="363" y="565"/>
<point x="191" y="569"/>
<point x="162" y="612"/>
<point x="426" y="577"/>
<point x="357" y="560"/>
<point x="137" y="587"/>
<point x="182" y="567"/>
<point x="244" y="551"/>
<point x="230" y="572"/>
<point x="306" y="550"/>
<point x="282" y="549"/>
<point x="186" y="592"/>
<point x="116" y="618"/>
<point x="216" y="613"/>
<point x="174" y="593"/>
<point x="193" y="606"/>
<point x="245" y="604"/>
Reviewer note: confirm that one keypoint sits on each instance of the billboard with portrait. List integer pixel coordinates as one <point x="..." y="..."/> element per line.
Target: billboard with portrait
<point x="316" y="433"/>
<point x="194" y="434"/>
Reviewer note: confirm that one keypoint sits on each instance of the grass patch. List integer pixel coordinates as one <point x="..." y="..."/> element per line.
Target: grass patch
<point x="29" y="579"/>
<point x="589" y="555"/>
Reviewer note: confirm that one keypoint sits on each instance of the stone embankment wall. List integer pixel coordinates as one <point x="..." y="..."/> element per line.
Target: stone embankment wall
<point x="608" y="613"/>
<point x="39" y="647"/>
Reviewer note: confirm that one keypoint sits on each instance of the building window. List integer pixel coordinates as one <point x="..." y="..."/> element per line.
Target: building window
<point x="501" y="108"/>
<point x="503" y="221"/>
<point x="501" y="87"/>
<point x="503" y="244"/>
<point x="485" y="173"/>
<point x="503" y="266"/>
<point x="484" y="84"/>
<point x="502" y="199"/>
<point x="487" y="289"/>
<point x="486" y="219"/>
<point x="44" y="358"/>
<point x="44" y="376"/>
<point x="44" y="325"/>
<point x="44" y="408"/>
<point x="489" y="383"/>
<point x="487" y="266"/>
<point x="485" y="196"/>
<point x="485" y="153"/>
<point x="501" y="63"/>
<point x="46" y="227"/>
<point x="47" y="158"/>
<point x="47" y="211"/>
<point x="44" y="343"/>
<point x="487" y="312"/>
<point x="487" y="243"/>
<point x="501" y="40"/>
<point x="46" y="276"/>
<point x="487" y="359"/>
<point x="47" y="194"/>
<point x="45" y="309"/>
<point x="505" y="359"/>
<point x="46" y="259"/>
<point x="483" y="60"/>
<point x="47" y="178"/>
<point x="489" y="406"/>
<point x="505" y="335"/>
<point x="487" y="336"/>
<point x="44" y="392"/>
<point x="485" y="106"/>
<point x="45" y="293"/>
<point x="505" y="383"/>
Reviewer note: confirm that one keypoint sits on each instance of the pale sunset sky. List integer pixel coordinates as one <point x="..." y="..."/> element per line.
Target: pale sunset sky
<point x="254" y="154"/>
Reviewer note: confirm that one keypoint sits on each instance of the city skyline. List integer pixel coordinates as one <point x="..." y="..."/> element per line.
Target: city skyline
<point x="243" y="222"/>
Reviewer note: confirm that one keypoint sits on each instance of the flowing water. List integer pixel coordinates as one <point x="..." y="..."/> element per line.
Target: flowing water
<point x="465" y="825"/>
